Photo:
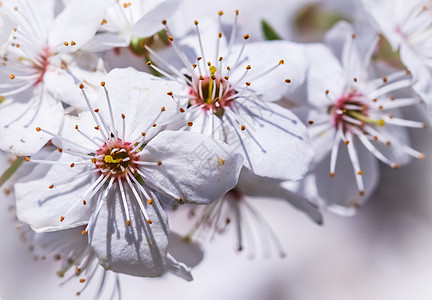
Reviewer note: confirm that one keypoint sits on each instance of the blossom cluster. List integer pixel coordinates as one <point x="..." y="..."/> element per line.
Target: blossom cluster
<point x="116" y="114"/>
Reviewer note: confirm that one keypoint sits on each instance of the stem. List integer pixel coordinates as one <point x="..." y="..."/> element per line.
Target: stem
<point x="10" y="171"/>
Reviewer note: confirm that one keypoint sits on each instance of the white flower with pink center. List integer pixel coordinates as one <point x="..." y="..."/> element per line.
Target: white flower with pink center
<point x="228" y="87"/>
<point x="116" y="164"/>
<point x="351" y="109"/>
<point x="407" y="25"/>
<point x="39" y="65"/>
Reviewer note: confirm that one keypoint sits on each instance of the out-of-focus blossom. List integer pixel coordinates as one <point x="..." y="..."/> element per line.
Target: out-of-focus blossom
<point x="407" y="26"/>
<point x="349" y="108"/>
<point x="236" y="209"/>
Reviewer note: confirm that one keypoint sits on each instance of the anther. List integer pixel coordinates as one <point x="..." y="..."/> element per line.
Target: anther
<point x="84" y="232"/>
<point x="123" y="116"/>
<point x="104" y="22"/>
<point x="96" y="127"/>
<point x="159" y="163"/>
<point x="182" y="110"/>
<point x="163" y="108"/>
<point x="60" y="150"/>
<point x="102" y="83"/>
<point x="180" y="200"/>
<point x="164" y="22"/>
<point x="248" y="67"/>
<point x="170" y="38"/>
<point x="287" y="80"/>
<point x="220" y="34"/>
<point x="96" y="110"/>
<point x="154" y="125"/>
<point x="149" y="63"/>
<point x="73" y="43"/>
<point x="384" y="79"/>
<point x="72" y="165"/>
<point x="327" y="92"/>
<point x="281" y="62"/>
<point x="310" y="122"/>
<point x="246" y="36"/>
<point x="353" y="36"/>
<point x="128" y="223"/>
<point x="82" y="280"/>
<point x="61" y="219"/>
<point x="149" y="221"/>
<point x="360" y="172"/>
<point x="361" y="193"/>
<point x="421" y="156"/>
<point x="84" y="202"/>
<point x="220" y="13"/>
<point x="196" y="22"/>
<point x="66" y="43"/>
<point x="51" y="186"/>
<point x="243" y="128"/>
<point x="189" y="124"/>
<point x="248" y="83"/>
<point x="332" y="174"/>
<point x="38" y="129"/>
<point x="27" y="158"/>
<point x="150" y="201"/>
<point x="81" y="86"/>
<point x="12" y="76"/>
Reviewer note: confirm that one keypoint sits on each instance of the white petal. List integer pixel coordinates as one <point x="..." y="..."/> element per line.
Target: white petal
<point x="325" y="74"/>
<point x="140" y="97"/>
<point x="78" y="22"/>
<point x="154" y="12"/>
<point x="194" y="167"/>
<point x="139" y="249"/>
<point x="63" y="83"/>
<point x="42" y="207"/>
<point x="178" y="268"/>
<point x="263" y="56"/>
<point x="274" y="142"/>
<point x="421" y="74"/>
<point x="18" y="122"/>
<point x="81" y="142"/>
<point x="340" y="193"/>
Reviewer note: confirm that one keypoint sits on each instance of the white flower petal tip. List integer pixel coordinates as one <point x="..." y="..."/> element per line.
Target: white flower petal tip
<point x="127" y="243"/>
<point x="178" y="269"/>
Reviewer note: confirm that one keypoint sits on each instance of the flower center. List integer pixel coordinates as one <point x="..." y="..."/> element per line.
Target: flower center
<point x="116" y="157"/>
<point x="42" y="63"/>
<point x="212" y="93"/>
<point x="351" y="112"/>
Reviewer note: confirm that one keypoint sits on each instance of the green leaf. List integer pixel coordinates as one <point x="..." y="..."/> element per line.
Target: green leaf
<point x="269" y="33"/>
<point x="10" y="171"/>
